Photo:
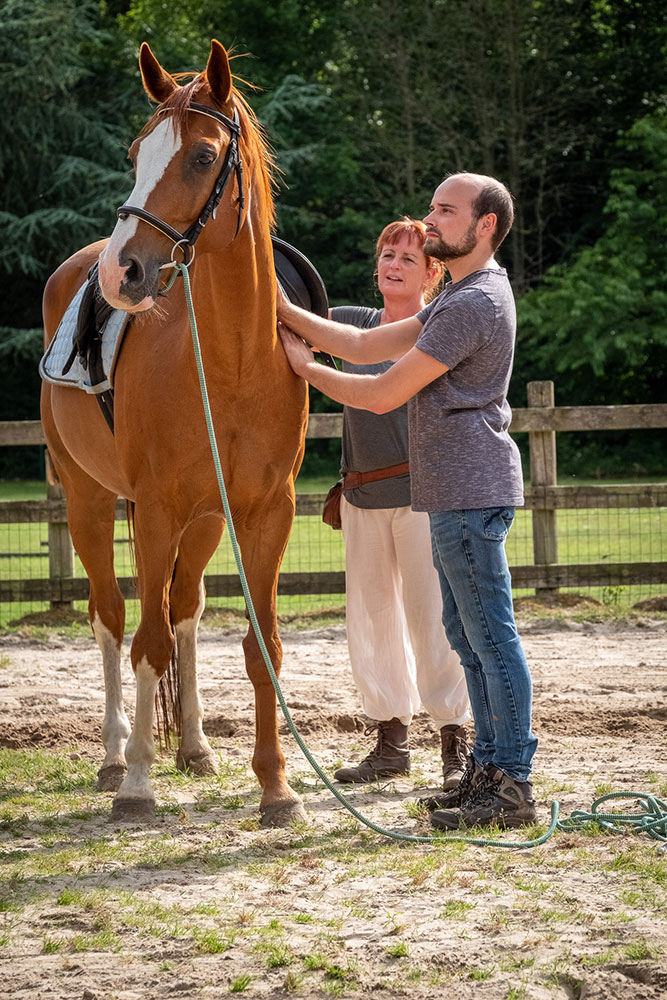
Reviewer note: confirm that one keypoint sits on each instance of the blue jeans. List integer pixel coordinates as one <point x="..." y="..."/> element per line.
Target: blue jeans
<point x="469" y="555"/>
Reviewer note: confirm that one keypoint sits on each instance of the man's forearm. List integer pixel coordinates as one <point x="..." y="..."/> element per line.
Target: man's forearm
<point x="361" y="347"/>
<point x="364" y="392"/>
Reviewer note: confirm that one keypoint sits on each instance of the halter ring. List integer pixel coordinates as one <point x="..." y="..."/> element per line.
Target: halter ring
<point x="185" y="260"/>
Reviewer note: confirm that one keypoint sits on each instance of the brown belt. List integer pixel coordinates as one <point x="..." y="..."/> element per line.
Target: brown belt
<point x="353" y="479"/>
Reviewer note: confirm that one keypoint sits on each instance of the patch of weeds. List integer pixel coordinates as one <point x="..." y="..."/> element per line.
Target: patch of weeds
<point x="292" y="982"/>
<point x="170" y="809"/>
<point x="245" y="917"/>
<point x="279" y="955"/>
<point x="639" y="950"/>
<point x="51" y="945"/>
<point x="398" y="950"/>
<point x="7" y="905"/>
<point x="516" y="993"/>
<point x="211" y="941"/>
<point x="416" y="811"/>
<point x="315" y="961"/>
<point x="241" y="983"/>
<point x="104" y="940"/>
<point x="249" y="824"/>
<point x="602" y="958"/>
<point x="5" y="661"/>
<point x="232" y="802"/>
<point x="512" y="964"/>
<point x="555" y="916"/>
<point x="332" y="970"/>
<point x="68" y="897"/>
<point x="394" y="923"/>
<point x="303" y="918"/>
<point x="478" y="974"/>
<point x="642" y="862"/>
<point x="302" y="841"/>
<point x="208" y="909"/>
<point x="531" y="885"/>
<point x="456" y="909"/>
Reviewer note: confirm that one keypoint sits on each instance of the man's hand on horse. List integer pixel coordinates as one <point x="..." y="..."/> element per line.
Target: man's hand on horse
<point x="299" y="354"/>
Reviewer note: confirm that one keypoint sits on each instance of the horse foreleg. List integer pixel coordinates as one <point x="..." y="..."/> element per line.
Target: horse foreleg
<point x="198" y="543"/>
<point x="152" y="647"/>
<point x="91" y="517"/>
<point x="262" y="553"/>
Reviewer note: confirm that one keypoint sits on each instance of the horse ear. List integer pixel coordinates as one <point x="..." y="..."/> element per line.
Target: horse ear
<point x="218" y="73"/>
<point x="158" y="84"/>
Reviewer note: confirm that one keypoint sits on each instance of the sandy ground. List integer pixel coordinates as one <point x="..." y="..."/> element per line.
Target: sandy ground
<point x="581" y="916"/>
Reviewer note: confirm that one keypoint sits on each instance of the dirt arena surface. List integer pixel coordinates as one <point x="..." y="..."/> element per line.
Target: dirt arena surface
<point x="334" y="909"/>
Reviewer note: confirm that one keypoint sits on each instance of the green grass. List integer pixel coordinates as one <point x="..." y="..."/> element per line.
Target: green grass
<point x="584" y="536"/>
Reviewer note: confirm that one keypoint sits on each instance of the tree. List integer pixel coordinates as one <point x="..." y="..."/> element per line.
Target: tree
<point x="600" y="323"/>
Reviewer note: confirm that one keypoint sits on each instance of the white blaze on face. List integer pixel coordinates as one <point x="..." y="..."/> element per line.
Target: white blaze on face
<point x="156" y="152"/>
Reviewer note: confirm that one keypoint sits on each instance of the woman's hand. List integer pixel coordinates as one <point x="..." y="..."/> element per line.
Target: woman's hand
<point x="298" y="353"/>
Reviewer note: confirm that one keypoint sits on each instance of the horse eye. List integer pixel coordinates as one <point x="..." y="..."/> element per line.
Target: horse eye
<point x="206" y="159"/>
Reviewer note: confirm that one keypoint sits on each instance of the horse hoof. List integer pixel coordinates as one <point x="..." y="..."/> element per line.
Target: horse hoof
<point x="282" y="814"/>
<point x="201" y="765"/>
<point x="110" y="778"/>
<point x="132" y="809"/>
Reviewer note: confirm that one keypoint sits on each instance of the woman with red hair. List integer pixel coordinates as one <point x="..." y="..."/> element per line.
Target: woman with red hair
<point x="398" y="649"/>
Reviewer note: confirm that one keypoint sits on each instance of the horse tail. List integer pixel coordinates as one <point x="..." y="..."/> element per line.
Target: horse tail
<point x="129" y="512"/>
<point x="169" y="716"/>
<point x="168" y="702"/>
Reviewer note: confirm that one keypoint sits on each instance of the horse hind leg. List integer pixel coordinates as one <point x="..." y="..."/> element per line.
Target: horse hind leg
<point x="198" y="543"/>
<point x="262" y="554"/>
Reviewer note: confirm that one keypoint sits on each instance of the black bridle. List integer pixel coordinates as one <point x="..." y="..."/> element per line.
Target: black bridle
<point x="231" y="164"/>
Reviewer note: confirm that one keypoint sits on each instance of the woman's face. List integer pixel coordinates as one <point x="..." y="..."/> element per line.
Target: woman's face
<point x="402" y="269"/>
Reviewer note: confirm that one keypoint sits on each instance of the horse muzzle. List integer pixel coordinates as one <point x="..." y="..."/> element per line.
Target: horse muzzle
<point x="128" y="281"/>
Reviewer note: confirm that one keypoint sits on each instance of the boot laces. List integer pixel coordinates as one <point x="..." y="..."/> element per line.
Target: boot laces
<point x="455" y="752"/>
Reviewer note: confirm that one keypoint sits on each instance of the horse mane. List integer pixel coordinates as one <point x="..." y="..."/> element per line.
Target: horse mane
<point x="254" y="144"/>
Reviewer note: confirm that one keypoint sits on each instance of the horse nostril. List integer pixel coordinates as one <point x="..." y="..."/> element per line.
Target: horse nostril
<point x="135" y="273"/>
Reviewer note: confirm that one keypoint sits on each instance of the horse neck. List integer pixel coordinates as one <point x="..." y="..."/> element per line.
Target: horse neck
<point x="234" y="288"/>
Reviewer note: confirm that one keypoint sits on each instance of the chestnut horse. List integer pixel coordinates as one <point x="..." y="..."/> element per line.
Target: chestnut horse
<point x="203" y="138"/>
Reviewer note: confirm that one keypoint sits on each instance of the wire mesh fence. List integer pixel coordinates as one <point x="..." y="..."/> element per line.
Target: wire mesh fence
<point x="589" y="536"/>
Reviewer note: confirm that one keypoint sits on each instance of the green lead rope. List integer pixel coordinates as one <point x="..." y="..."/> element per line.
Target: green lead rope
<point x="653" y="820"/>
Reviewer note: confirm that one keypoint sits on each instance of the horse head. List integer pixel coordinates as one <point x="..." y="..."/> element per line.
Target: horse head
<point x="183" y="160"/>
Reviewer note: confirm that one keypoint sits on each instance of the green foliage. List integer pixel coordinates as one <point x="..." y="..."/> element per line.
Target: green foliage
<point x="368" y="104"/>
<point x="605" y="314"/>
<point x="599" y="325"/>
<point x="61" y="154"/>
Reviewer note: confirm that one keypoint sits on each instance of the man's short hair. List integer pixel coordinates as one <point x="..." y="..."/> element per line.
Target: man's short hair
<point x="494" y="197"/>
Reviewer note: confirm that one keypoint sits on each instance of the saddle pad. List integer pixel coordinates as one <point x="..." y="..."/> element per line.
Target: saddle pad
<point x="60" y="349"/>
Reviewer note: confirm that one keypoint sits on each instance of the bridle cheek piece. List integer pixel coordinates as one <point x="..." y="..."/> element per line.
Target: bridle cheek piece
<point x="232" y="164"/>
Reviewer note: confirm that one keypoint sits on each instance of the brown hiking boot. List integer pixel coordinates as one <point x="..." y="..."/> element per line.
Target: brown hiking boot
<point x="390" y="755"/>
<point x="454" y="750"/>
<point x="496" y="799"/>
<point x="458" y="796"/>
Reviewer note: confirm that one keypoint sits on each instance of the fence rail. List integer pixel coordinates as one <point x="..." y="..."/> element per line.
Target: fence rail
<point x="540" y="420"/>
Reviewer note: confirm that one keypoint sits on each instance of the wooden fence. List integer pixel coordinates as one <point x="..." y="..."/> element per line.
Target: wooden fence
<point x="541" y="420"/>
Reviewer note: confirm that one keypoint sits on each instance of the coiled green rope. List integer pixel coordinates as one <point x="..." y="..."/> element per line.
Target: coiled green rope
<point x="656" y="827"/>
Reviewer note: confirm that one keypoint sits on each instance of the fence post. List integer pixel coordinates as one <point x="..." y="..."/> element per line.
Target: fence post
<point x="61" y="552"/>
<point x="542" y="446"/>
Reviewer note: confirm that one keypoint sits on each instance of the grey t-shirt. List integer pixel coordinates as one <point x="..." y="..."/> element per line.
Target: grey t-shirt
<point x="461" y="454"/>
<point x="373" y="440"/>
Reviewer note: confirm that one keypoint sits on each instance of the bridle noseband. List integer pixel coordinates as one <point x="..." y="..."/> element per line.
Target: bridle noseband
<point x="231" y="164"/>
